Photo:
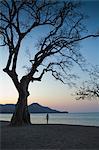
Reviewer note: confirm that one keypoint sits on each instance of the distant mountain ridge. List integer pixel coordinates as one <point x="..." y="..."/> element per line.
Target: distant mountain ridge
<point x="33" y="108"/>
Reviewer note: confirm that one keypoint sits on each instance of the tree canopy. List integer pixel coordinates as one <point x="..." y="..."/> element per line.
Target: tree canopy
<point x="19" y="18"/>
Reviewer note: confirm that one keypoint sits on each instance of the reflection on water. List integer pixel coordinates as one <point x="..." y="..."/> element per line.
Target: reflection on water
<point x="91" y="119"/>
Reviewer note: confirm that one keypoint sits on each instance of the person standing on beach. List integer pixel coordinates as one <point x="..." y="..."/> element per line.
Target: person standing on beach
<point x="47" y="118"/>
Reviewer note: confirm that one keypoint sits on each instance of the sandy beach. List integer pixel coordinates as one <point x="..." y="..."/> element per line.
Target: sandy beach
<point x="49" y="137"/>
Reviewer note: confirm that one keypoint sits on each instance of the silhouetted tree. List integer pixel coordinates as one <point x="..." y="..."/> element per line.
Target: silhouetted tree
<point x="90" y="88"/>
<point x="18" y="19"/>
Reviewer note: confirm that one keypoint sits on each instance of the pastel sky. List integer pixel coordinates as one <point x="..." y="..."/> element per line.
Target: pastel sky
<point x="50" y="92"/>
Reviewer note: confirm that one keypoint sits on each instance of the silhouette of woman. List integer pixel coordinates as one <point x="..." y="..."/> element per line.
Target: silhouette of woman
<point x="47" y="118"/>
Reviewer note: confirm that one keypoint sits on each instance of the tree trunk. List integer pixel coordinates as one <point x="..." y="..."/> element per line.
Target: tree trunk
<point x="21" y="116"/>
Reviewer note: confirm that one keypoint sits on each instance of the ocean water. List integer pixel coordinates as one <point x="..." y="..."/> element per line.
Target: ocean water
<point x="90" y="119"/>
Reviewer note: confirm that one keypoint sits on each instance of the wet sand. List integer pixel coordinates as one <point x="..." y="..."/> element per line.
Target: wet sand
<point x="49" y="137"/>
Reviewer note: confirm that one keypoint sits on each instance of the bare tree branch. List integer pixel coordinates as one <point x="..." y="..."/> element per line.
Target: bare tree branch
<point x="90" y="88"/>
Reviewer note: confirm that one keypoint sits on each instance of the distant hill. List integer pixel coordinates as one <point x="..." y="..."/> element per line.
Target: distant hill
<point x="37" y="108"/>
<point x="33" y="108"/>
<point x="7" y="108"/>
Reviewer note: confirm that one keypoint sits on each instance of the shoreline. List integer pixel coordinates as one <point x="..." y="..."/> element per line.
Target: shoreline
<point x="51" y="136"/>
<point x="8" y="122"/>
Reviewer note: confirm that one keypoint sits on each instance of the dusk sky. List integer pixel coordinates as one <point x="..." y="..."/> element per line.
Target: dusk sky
<point x="50" y="92"/>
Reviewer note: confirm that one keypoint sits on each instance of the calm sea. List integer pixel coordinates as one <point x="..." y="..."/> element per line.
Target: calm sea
<point x="90" y="119"/>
